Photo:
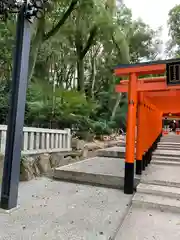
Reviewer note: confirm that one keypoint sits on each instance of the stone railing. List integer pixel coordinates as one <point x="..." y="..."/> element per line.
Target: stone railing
<point x="40" y="140"/>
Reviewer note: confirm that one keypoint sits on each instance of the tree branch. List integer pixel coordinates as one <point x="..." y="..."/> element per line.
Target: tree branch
<point x="55" y="29"/>
<point x="89" y="41"/>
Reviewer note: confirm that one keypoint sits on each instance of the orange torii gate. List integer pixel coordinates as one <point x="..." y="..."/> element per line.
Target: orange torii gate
<point x="149" y="99"/>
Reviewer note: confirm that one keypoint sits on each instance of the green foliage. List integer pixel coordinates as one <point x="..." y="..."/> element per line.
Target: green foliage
<point x="101" y="128"/>
<point x="74" y="48"/>
<point x="173" y="48"/>
<point x="4" y="101"/>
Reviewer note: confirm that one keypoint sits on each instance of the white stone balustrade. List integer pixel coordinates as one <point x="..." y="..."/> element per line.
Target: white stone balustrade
<point x="40" y="140"/>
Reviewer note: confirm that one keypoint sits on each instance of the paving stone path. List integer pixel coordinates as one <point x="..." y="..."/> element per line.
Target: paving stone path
<point x="97" y="209"/>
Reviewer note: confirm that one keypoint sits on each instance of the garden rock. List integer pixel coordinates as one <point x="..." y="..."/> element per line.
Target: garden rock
<point x="78" y="144"/>
<point x="36" y="169"/>
<point x="56" y="160"/>
<point x="44" y="163"/>
<point x="27" y="168"/>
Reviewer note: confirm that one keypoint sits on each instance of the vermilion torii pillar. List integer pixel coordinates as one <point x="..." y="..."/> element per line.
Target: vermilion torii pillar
<point x="140" y="165"/>
<point x="130" y="137"/>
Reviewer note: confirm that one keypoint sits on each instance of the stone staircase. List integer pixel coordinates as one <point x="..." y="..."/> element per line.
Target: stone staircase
<point x="167" y="153"/>
<point x="159" y="187"/>
<point x="166" y="160"/>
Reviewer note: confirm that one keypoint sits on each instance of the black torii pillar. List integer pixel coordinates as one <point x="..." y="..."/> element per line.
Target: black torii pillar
<point x="11" y="173"/>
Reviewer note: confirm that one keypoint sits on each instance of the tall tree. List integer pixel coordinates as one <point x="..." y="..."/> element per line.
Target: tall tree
<point x="55" y="15"/>
<point x="173" y="46"/>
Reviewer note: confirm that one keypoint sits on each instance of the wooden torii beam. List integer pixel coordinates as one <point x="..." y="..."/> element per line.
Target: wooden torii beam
<point x="147" y="84"/>
<point x="143" y="68"/>
<point x="158" y="91"/>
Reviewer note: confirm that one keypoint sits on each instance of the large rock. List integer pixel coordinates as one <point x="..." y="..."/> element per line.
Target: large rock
<point x="85" y="152"/>
<point x="78" y="144"/>
<point x="27" y="168"/>
<point x="37" y="172"/>
<point x="68" y="160"/>
<point x="43" y="162"/>
<point x="56" y="160"/>
<point x="94" y="145"/>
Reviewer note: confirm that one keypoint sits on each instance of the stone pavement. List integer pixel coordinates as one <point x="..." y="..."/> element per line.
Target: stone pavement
<point x="150" y="224"/>
<point x="55" y="210"/>
<point x="51" y="209"/>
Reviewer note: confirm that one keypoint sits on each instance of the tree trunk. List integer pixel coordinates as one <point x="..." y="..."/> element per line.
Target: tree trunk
<point x="40" y="36"/>
<point x="118" y="100"/>
<point x="36" y="43"/>
<point x="80" y="75"/>
<point x="93" y="76"/>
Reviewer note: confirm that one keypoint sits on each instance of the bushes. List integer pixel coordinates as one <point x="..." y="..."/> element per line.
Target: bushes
<point x="64" y="109"/>
<point x="101" y="128"/>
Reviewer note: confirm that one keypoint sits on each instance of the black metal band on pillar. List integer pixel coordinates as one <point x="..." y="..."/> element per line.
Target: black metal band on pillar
<point x="144" y="161"/>
<point x="11" y="173"/>
<point x="139" y="166"/>
<point x="129" y="178"/>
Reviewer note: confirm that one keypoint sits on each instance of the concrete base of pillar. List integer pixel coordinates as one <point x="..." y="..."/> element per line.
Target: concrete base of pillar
<point x="4" y="211"/>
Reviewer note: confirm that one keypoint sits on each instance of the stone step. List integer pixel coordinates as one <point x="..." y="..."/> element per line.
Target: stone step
<point x="164" y="175"/>
<point x="102" y="171"/>
<point x="173" y="163"/>
<point x="165" y="158"/>
<point x="114" y="152"/>
<point x="165" y="191"/>
<point x="171" y="140"/>
<point x="164" y="152"/>
<point x="162" y="203"/>
<point x="169" y="143"/>
<point x="169" y="148"/>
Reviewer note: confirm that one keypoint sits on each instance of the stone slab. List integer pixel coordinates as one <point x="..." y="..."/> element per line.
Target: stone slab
<point x="150" y="224"/>
<point x="103" y="171"/>
<point x="54" y="210"/>
<point x="162" y="175"/>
